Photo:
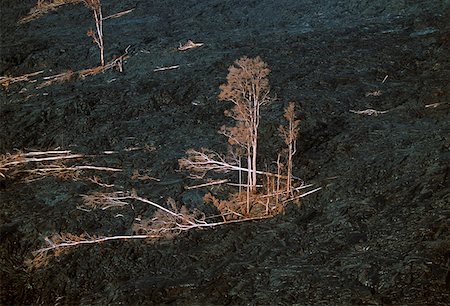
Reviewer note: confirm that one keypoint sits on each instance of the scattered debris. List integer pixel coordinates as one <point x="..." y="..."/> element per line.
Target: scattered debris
<point x="375" y="93"/>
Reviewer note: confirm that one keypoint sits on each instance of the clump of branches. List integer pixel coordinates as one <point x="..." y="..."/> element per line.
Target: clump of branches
<point x="167" y="224"/>
<point x="116" y="63"/>
<point x="266" y="193"/>
<point x="167" y="221"/>
<point x="200" y="162"/>
<point x="35" y="165"/>
<point x="6" y="81"/>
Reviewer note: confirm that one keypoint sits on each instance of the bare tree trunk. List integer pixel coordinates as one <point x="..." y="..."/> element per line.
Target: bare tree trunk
<point x="240" y="175"/>
<point x="249" y="181"/>
<point x="289" y="170"/>
<point x="99" y="25"/>
<point x="278" y="180"/>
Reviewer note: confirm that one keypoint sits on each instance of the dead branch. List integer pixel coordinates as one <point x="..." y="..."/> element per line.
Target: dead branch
<point x="58" y="78"/>
<point x="9" y="162"/>
<point x="369" y="112"/>
<point x="189" y="45"/>
<point x="433" y="105"/>
<point x="166" y="68"/>
<point x="97" y="181"/>
<point x="198" y="163"/>
<point x="7" y="81"/>
<point x="71" y="243"/>
<point x="64" y="241"/>
<point x="303" y="195"/>
<point x="43" y="7"/>
<point x="166" y="220"/>
<point x="207" y="184"/>
<point x="57" y="168"/>
<point x="375" y="93"/>
<point x="287" y="192"/>
<point x="116" y="15"/>
<point x="142" y="177"/>
<point x="116" y="63"/>
<point x="103" y="201"/>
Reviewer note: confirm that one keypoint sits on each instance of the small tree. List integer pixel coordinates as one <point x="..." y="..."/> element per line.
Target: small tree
<point x="247" y="88"/>
<point x="97" y="36"/>
<point x="289" y="134"/>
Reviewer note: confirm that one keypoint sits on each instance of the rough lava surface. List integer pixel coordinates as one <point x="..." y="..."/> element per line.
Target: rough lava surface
<point x="378" y="233"/>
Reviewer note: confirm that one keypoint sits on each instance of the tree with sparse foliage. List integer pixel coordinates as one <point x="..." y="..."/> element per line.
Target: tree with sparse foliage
<point x="248" y="89"/>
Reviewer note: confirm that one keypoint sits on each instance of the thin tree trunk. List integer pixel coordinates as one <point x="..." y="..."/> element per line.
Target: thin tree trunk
<point x="278" y="180"/>
<point x="289" y="170"/>
<point x="99" y="25"/>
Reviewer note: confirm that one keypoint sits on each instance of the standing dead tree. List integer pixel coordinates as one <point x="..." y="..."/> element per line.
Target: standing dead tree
<point x="289" y="134"/>
<point x="248" y="89"/>
<point x="97" y="37"/>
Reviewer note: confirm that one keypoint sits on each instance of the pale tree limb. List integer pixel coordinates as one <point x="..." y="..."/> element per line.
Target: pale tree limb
<point x="71" y="243"/>
<point x="180" y="222"/>
<point x="303" y="195"/>
<point x="166" y="68"/>
<point x="189" y="45"/>
<point x="66" y="243"/>
<point x="9" y="162"/>
<point x="116" y="15"/>
<point x="198" y="163"/>
<point x="207" y="184"/>
<point x="369" y="112"/>
<point x="120" y="198"/>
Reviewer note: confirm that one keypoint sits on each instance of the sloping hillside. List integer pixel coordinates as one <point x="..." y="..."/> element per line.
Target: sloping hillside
<point x="371" y="84"/>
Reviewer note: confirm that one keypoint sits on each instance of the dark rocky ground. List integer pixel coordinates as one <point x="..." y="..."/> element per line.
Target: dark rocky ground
<point x="376" y="234"/>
